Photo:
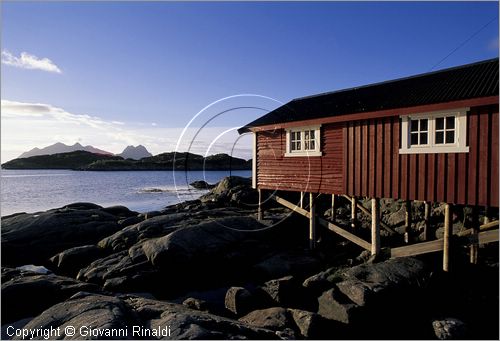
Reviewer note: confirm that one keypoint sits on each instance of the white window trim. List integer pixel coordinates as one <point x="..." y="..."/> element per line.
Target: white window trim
<point x="302" y="152"/>
<point x="432" y="148"/>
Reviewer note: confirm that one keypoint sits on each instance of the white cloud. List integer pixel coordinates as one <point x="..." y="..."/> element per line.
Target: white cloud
<point x="28" y="125"/>
<point x="29" y="61"/>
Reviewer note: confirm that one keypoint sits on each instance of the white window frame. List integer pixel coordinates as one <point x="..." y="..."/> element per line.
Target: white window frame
<point x="431" y="148"/>
<point x="317" y="141"/>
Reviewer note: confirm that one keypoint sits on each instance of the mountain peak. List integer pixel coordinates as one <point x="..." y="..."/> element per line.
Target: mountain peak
<point x="135" y="153"/>
<point x="59" y="147"/>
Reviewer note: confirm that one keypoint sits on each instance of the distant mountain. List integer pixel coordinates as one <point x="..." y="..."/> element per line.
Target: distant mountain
<point x="71" y="160"/>
<point x="59" y="147"/>
<point x="135" y="153"/>
<point x="82" y="160"/>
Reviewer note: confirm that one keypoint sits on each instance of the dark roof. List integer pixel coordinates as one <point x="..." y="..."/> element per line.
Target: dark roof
<point x="475" y="80"/>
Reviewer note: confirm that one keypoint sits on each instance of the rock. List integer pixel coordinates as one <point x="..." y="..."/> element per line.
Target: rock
<point x="194" y="303"/>
<point x="239" y="301"/>
<point x="33" y="238"/>
<point x="120" y="211"/>
<point x="355" y="290"/>
<point x="322" y="281"/>
<point x="309" y="324"/>
<point x="149" y="215"/>
<point x="26" y="294"/>
<point x="130" y="221"/>
<point x="277" y="319"/>
<point x="450" y="329"/>
<point x="232" y="190"/>
<point x="70" y="261"/>
<point x="335" y="306"/>
<point x="149" y="228"/>
<point x="285" y="291"/>
<point x="200" y="184"/>
<point x="287" y="263"/>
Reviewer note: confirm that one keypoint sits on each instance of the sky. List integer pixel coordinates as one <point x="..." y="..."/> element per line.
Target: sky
<point x="185" y="76"/>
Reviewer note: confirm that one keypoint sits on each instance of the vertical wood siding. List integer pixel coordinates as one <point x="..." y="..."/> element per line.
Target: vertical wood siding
<point x="362" y="158"/>
<point x="460" y="178"/>
<point x="319" y="174"/>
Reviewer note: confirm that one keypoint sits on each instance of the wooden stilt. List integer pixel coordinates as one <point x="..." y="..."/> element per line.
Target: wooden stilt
<point x="407" y="221"/>
<point x="301" y="199"/>
<point x="446" y="237"/>
<point x="486" y="218"/>
<point x="474" y="247"/>
<point x="353" y="212"/>
<point x="333" y="208"/>
<point x="312" y="222"/>
<point x="427" y="213"/>
<point x="259" y="208"/>
<point x="375" y="227"/>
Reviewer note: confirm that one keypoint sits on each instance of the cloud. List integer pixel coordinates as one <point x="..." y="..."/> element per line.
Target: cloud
<point x="28" y="125"/>
<point x="29" y="61"/>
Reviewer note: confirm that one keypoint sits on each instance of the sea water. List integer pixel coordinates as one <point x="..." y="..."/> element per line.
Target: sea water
<point x="142" y="191"/>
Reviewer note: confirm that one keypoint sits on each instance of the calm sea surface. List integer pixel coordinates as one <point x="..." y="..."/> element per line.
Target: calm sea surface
<point x="37" y="190"/>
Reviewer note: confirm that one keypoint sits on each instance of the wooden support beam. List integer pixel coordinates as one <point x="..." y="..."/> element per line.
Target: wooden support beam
<point x="427" y="214"/>
<point x="484" y="227"/>
<point x="312" y="222"/>
<point x="488" y="237"/>
<point x="291" y="206"/>
<point x="333" y="208"/>
<point x="367" y="212"/>
<point x="375" y="247"/>
<point x="474" y="246"/>
<point x="446" y="237"/>
<point x="301" y="199"/>
<point x="407" y="221"/>
<point x="259" y="208"/>
<point x="354" y="204"/>
<point x="346" y="234"/>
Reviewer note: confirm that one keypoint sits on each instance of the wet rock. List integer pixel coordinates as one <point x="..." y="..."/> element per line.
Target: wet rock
<point x="450" y="329"/>
<point x="26" y="293"/>
<point x="34" y="238"/>
<point x="70" y="261"/>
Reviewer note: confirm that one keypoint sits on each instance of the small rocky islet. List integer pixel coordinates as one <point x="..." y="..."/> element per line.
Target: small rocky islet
<point x="208" y="269"/>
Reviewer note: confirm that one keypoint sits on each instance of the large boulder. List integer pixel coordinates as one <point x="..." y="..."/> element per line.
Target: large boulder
<point x="134" y="317"/>
<point x="286" y="263"/>
<point x="70" y="261"/>
<point x="34" y="238"/>
<point x="26" y="294"/>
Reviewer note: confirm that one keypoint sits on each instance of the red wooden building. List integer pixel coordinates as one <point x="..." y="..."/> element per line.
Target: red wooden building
<point x="431" y="137"/>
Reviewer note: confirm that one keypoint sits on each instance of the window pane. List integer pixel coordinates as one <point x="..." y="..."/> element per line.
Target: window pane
<point x="440" y="123"/>
<point x="312" y="145"/>
<point x="306" y="135"/>
<point x="297" y="145"/>
<point x="312" y="134"/>
<point x="414" y="125"/>
<point x="414" y="139"/>
<point x="450" y="122"/>
<point x="306" y="145"/>
<point x="423" y="138"/>
<point x="439" y="137"/>
<point x="423" y="125"/>
<point x="450" y="136"/>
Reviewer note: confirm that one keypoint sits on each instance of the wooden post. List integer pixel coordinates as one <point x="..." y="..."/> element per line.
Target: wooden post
<point x="427" y="213"/>
<point x="446" y="237"/>
<point x="259" y="208"/>
<point x="333" y="208"/>
<point x="312" y="222"/>
<point x="474" y="246"/>
<point x="353" y="212"/>
<point x="486" y="218"/>
<point x="301" y="199"/>
<point x="407" y="220"/>
<point x="375" y="227"/>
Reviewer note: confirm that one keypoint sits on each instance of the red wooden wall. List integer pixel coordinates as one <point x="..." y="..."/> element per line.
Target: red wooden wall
<point x="309" y="174"/>
<point x="362" y="158"/>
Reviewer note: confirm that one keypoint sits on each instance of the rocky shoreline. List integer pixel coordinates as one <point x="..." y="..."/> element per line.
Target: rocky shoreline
<point x="207" y="269"/>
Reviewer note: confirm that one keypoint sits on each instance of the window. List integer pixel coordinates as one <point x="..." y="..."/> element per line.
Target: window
<point x="303" y="141"/>
<point x="438" y="132"/>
